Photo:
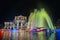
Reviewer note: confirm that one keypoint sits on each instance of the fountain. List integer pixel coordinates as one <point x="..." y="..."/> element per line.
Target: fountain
<point x="40" y="19"/>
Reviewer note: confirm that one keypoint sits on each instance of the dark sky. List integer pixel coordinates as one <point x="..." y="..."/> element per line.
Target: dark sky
<point x="9" y="9"/>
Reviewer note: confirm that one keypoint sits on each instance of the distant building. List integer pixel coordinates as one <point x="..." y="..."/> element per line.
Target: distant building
<point x="6" y="25"/>
<point x="11" y="24"/>
<point x="18" y="22"/>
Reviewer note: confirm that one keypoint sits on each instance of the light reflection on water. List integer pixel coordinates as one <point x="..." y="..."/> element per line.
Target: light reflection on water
<point x="25" y="35"/>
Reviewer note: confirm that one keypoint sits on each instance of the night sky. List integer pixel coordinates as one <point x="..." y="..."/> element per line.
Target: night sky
<point x="9" y="9"/>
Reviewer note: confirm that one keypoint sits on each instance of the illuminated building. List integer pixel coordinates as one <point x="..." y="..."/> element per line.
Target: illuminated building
<point x="20" y="21"/>
<point x="11" y="24"/>
<point x="6" y="25"/>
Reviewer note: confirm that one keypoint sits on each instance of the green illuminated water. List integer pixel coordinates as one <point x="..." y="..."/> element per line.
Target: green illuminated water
<point x="40" y="18"/>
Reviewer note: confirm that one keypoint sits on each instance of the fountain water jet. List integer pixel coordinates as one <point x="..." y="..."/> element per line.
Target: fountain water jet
<point x="40" y="19"/>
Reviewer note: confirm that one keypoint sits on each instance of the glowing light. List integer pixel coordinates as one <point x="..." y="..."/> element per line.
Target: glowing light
<point x="40" y="18"/>
<point x="58" y="34"/>
<point x="6" y="34"/>
<point x="0" y="33"/>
